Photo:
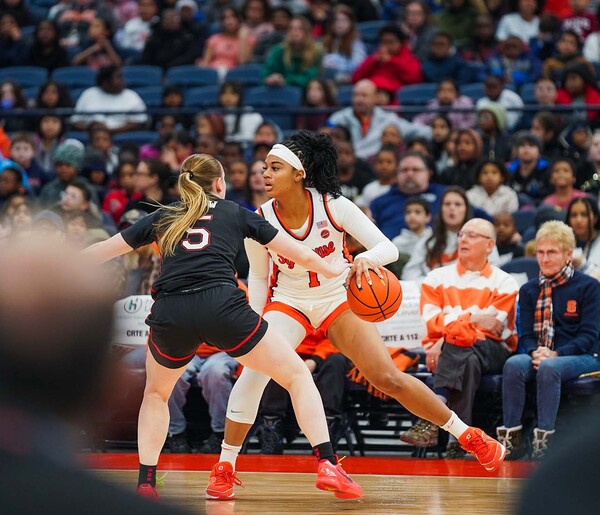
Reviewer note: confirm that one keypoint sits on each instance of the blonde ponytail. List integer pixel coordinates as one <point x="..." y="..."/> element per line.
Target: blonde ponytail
<point x="197" y="174"/>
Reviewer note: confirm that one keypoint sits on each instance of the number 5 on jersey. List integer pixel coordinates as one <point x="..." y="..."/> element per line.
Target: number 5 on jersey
<point x="197" y="238"/>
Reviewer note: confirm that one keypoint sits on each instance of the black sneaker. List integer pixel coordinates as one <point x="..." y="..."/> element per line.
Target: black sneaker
<point x="178" y="444"/>
<point x="212" y="445"/>
<point x="271" y="438"/>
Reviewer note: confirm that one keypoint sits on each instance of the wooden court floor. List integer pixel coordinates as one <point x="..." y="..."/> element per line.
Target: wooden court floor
<point x="447" y="491"/>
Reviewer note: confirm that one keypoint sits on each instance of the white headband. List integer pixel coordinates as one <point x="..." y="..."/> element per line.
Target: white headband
<point x="288" y="156"/>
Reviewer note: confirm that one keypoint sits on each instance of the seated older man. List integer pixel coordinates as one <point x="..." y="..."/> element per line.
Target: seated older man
<point x="560" y="332"/>
<point x="469" y="309"/>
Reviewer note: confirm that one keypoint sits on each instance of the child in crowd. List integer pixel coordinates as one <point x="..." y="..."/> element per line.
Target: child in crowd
<point x="492" y="124"/>
<point x="237" y="179"/>
<point x="568" y="52"/>
<point x="491" y="193"/>
<point x="508" y="240"/>
<point x="562" y="177"/>
<point x="385" y="167"/>
<point x="529" y="173"/>
<point x="101" y="142"/>
<point x="122" y="191"/>
<point x="319" y="93"/>
<point x="99" y="51"/>
<point x="238" y="126"/>
<point x="22" y="150"/>
<point x="417" y="217"/>
<point x="579" y="89"/>
<point x="13" y="181"/>
<point x="514" y="63"/>
<point x="441" y="129"/>
<point x="49" y="136"/>
<point x="448" y="95"/>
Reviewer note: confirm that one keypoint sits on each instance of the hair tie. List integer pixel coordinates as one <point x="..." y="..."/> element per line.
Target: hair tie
<point x="191" y="175"/>
<point x="282" y="152"/>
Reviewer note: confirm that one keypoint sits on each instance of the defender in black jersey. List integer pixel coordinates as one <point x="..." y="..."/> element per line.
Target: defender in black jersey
<point x="197" y="299"/>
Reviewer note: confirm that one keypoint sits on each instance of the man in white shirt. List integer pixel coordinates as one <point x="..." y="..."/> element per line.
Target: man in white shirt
<point x="135" y="33"/>
<point x="110" y="95"/>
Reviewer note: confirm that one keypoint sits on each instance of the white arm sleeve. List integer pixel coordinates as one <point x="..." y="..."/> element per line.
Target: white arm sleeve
<point x="258" y="257"/>
<point x="347" y="215"/>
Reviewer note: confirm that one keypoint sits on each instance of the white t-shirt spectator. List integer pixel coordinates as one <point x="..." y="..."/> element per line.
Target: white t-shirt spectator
<point x="514" y="25"/>
<point x="134" y="34"/>
<point x="94" y="99"/>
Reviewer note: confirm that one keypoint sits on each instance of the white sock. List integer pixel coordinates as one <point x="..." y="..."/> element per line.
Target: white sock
<point x="229" y="453"/>
<point x="455" y="426"/>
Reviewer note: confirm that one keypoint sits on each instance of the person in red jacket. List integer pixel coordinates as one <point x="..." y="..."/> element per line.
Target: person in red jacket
<point x="392" y="65"/>
<point x="579" y="89"/>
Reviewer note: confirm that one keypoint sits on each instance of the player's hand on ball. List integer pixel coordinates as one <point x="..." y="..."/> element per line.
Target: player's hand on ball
<point x="360" y="267"/>
<point x="337" y="266"/>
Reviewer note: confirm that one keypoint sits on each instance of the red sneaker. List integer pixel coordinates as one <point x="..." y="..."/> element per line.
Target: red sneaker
<point x="334" y="479"/>
<point x="488" y="451"/>
<point x="221" y="481"/>
<point x="148" y="492"/>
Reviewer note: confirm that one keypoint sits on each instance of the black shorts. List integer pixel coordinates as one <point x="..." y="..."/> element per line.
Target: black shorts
<point x="219" y="316"/>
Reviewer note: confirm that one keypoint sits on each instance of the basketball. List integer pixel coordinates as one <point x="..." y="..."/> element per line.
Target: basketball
<point x="378" y="301"/>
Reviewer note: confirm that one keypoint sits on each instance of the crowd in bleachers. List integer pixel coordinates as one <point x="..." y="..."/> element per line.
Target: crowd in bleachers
<point x="440" y="111"/>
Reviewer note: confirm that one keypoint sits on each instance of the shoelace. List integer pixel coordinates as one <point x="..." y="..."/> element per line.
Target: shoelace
<point x="505" y="440"/>
<point x="230" y="478"/>
<point x="478" y="446"/>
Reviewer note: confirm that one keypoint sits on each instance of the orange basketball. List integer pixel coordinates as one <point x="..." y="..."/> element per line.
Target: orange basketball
<point x="378" y="301"/>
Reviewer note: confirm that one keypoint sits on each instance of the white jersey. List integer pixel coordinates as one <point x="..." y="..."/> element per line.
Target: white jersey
<point x="324" y="231"/>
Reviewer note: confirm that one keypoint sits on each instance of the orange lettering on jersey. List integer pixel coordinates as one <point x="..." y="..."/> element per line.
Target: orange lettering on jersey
<point x="325" y="250"/>
<point x="285" y="261"/>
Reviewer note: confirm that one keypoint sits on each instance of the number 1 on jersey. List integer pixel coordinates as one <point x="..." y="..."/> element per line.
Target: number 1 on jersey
<point x="313" y="280"/>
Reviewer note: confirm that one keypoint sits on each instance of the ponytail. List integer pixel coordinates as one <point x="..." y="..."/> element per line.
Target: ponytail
<point x="197" y="174"/>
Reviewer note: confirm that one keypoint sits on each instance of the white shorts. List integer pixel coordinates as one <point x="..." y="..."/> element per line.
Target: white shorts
<point x="310" y="314"/>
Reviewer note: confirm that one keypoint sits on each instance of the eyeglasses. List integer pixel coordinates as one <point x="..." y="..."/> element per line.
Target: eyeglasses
<point x="552" y="254"/>
<point x="471" y="235"/>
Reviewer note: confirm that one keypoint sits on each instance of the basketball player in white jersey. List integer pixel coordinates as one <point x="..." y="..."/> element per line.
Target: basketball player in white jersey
<point x="301" y="179"/>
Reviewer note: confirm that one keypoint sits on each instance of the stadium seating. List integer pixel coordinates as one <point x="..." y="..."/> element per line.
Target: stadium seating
<point x="151" y="95"/>
<point x="524" y="219"/>
<point x="416" y="94"/>
<point x="190" y="76"/>
<point x="523" y="265"/>
<point x="269" y="97"/>
<point x="26" y="76"/>
<point x="527" y="93"/>
<point x="135" y="137"/>
<point x="474" y="91"/>
<point x="369" y="32"/>
<point x="247" y="74"/>
<point x="344" y="95"/>
<point x="75" y="76"/>
<point x="206" y="96"/>
<point x="142" y="75"/>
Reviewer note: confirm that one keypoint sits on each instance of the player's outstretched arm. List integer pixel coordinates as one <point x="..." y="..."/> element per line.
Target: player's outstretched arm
<point x="108" y="249"/>
<point x="305" y="257"/>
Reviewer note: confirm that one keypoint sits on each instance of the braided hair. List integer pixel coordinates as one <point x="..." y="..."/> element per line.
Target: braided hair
<point x="319" y="158"/>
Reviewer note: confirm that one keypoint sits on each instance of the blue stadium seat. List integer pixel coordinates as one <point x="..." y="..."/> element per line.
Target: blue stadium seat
<point x="136" y="137"/>
<point x="474" y="91"/>
<point x="190" y="76"/>
<point x="142" y="75"/>
<point x="26" y="76"/>
<point x="524" y="219"/>
<point x="31" y="92"/>
<point x="369" y="31"/>
<point x="583" y="386"/>
<point x="523" y="265"/>
<point x="527" y="93"/>
<point x="344" y="95"/>
<point x="207" y="96"/>
<point x="279" y="96"/>
<point x="151" y="95"/>
<point x="416" y="94"/>
<point x="75" y="76"/>
<point x="247" y="74"/>
<point x="76" y="93"/>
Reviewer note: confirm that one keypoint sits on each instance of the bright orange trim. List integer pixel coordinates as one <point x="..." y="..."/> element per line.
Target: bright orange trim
<point x="298" y="316"/>
<point x="333" y="315"/>
<point x="310" y="219"/>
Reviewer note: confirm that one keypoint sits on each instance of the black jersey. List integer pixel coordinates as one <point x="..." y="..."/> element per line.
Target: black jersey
<point x="206" y="253"/>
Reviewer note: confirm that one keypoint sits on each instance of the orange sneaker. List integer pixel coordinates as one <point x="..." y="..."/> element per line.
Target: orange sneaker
<point x="221" y="481"/>
<point x="148" y="491"/>
<point x="488" y="451"/>
<point x="334" y="479"/>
